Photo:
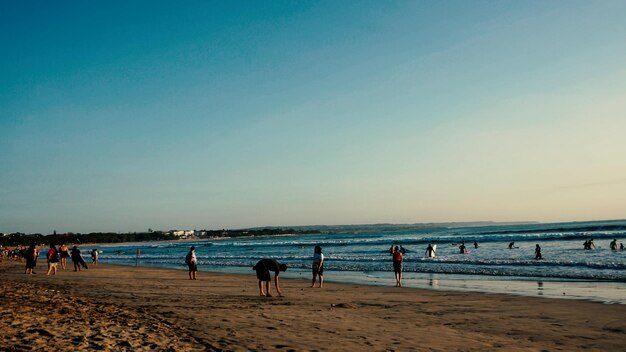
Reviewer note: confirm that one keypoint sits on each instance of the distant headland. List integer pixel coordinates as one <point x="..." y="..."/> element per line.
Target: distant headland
<point x="18" y="238"/>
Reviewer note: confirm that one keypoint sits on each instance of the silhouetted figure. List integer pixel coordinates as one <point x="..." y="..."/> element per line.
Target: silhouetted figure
<point x="430" y="251"/>
<point x="77" y="259"/>
<point x="537" y="252"/>
<point x="31" y="253"/>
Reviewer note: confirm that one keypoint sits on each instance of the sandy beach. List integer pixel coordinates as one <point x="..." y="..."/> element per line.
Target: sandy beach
<point x="112" y="307"/>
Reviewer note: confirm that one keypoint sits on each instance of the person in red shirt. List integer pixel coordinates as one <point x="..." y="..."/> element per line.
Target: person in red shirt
<point x="53" y="260"/>
<point x="397" y="255"/>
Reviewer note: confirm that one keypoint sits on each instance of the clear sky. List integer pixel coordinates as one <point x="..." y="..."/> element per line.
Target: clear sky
<point x="124" y="116"/>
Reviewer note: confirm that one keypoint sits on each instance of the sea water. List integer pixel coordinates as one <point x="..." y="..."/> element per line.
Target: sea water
<point x="566" y="270"/>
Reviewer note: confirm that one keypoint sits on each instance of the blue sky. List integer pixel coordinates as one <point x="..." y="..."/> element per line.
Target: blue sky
<point x="118" y="116"/>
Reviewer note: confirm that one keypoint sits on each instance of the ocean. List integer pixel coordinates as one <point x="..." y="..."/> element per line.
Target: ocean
<point x="566" y="270"/>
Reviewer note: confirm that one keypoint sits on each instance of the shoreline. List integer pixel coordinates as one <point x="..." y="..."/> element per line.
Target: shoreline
<point x="144" y="308"/>
<point x="601" y="291"/>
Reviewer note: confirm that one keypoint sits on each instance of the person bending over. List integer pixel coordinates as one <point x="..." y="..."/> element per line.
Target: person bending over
<point x="263" y="268"/>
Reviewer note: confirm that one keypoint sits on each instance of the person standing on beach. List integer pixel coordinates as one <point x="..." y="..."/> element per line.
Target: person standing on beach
<point x="30" y="259"/>
<point x="397" y="258"/>
<point x="537" y="252"/>
<point x="263" y="268"/>
<point x="192" y="261"/>
<point x="65" y="253"/>
<point x="318" y="266"/>
<point x="77" y="259"/>
<point x="53" y="260"/>
<point x="94" y="256"/>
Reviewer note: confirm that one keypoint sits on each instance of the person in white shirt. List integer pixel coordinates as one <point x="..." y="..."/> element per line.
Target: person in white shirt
<point x="192" y="262"/>
<point x="318" y="266"/>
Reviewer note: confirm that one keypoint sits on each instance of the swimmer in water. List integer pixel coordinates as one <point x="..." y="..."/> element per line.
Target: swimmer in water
<point x="537" y="252"/>
<point x="430" y="251"/>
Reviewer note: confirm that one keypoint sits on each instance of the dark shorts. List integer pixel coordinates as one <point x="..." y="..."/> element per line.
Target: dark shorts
<point x="263" y="274"/>
<point x="193" y="266"/>
<point x="397" y="267"/>
<point x="317" y="270"/>
<point x="30" y="264"/>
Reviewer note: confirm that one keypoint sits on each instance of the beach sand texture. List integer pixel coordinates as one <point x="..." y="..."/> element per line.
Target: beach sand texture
<point x="140" y="309"/>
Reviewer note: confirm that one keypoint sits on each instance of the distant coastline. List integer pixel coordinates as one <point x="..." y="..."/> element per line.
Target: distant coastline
<point x="18" y="238"/>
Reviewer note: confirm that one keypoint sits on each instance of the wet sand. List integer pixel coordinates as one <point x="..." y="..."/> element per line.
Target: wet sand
<point x="140" y="309"/>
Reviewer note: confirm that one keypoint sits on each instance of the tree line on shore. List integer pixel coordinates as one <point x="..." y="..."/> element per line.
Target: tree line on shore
<point x="22" y="239"/>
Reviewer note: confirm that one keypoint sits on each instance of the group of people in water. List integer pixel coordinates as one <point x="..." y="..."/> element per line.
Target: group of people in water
<point x="55" y="256"/>
<point x="265" y="267"/>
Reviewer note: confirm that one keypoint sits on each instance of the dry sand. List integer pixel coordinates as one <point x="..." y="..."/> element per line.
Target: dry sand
<point x="126" y="308"/>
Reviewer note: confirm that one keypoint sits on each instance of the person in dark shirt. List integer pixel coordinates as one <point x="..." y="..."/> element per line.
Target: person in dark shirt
<point x="263" y="268"/>
<point x="31" y="258"/>
<point x="77" y="259"/>
<point x="537" y="252"/>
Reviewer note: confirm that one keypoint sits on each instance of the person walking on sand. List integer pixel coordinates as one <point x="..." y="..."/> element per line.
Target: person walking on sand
<point x="397" y="258"/>
<point x="30" y="259"/>
<point x="192" y="262"/>
<point x="77" y="259"/>
<point x="263" y="268"/>
<point x="537" y="252"/>
<point x="65" y="253"/>
<point x="94" y="256"/>
<point x="53" y="260"/>
<point x="318" y="266"/>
